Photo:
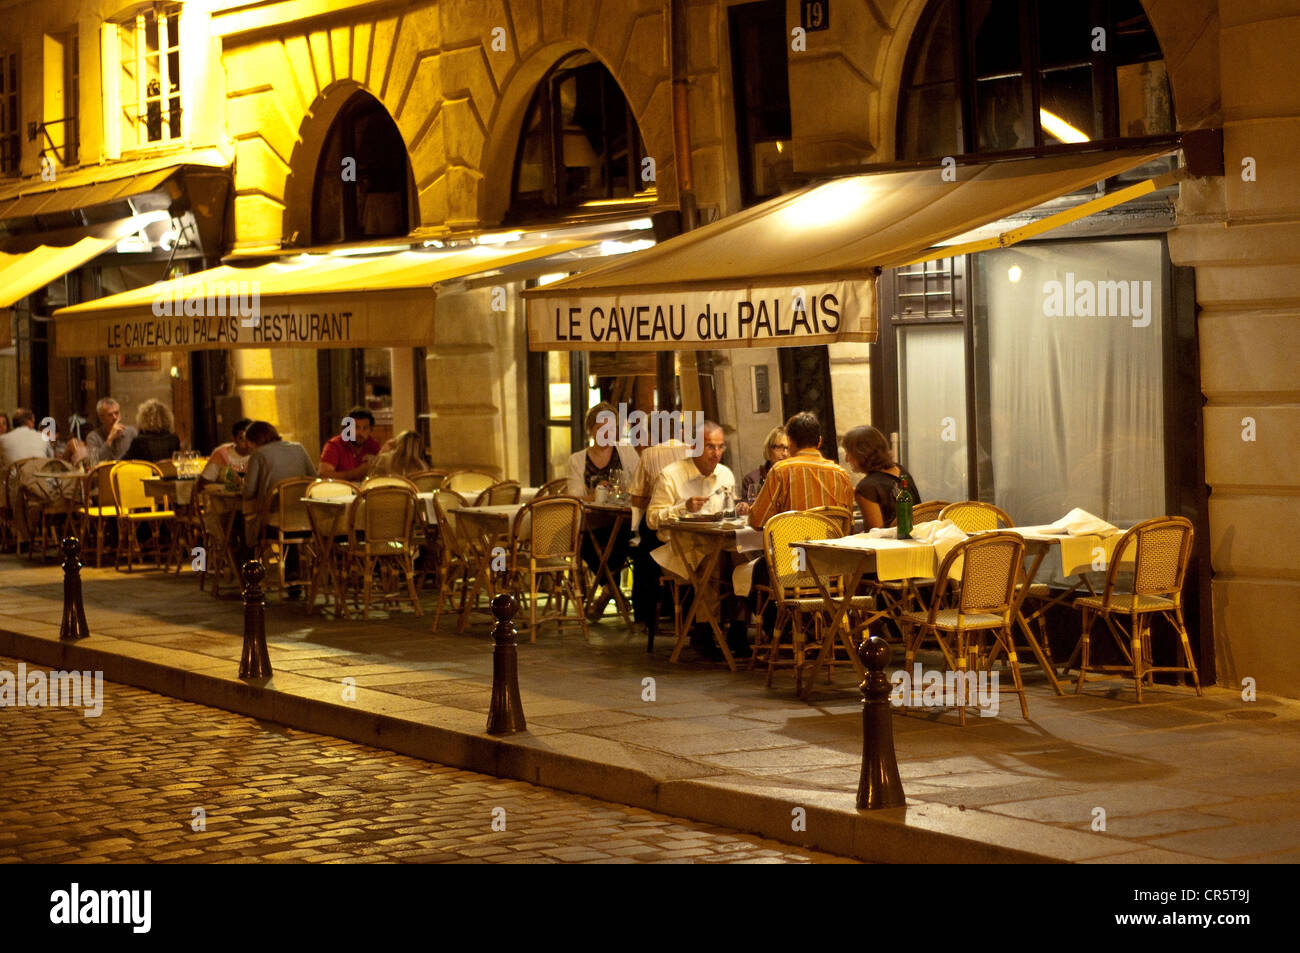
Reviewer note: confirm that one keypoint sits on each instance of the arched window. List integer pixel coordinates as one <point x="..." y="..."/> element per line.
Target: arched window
<point x="580" y="144"/>
<point x="363" y="180"/>
<point x="1002" y="75"/>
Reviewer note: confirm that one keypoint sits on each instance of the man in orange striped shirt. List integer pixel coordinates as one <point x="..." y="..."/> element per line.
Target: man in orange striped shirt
<point x="803" y="480"/>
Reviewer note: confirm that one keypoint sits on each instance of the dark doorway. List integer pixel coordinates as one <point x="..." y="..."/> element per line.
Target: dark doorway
<point x="806" y="385"/>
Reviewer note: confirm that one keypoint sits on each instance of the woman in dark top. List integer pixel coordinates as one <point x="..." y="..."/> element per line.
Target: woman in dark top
<point x="775" y="447"/>
<point x="867" y="451"/>
<point x="155" y="441"/>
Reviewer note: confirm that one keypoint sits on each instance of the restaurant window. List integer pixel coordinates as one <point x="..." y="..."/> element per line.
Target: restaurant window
<point x="71" y="97"/>
<point x="580" y="146"/>
<point x="149" y="75"/>
<point x="1002" y="75"/>
<point x="363" y="179"/>
<point x="762" y="92"/>
<point x="10" y="141"/>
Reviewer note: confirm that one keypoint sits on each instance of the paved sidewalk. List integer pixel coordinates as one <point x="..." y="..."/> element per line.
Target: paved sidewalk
<point x="1176" y="779"/>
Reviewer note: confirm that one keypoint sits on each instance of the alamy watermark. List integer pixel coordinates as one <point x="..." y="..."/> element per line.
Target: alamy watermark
<point x="129" y="907"/>
<point x="1085" y="298"/>
<point x="41" y="689"/>
<point x="929" y="688"/>
<point x="241" y="299"/>
<point x="646" y="429"/>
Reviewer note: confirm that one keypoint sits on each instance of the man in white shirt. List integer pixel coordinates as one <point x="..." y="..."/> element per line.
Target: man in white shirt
<point x="700" y="485"/>
<point x="645" y="571"/>
<point x="23" y="441"/>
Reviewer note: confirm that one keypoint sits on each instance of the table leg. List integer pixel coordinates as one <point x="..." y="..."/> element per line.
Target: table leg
<point x="839" y="612"/>
<point x="702" y="577"/>
<point x="603" y="570"/>
<point x="1038" y="552"/>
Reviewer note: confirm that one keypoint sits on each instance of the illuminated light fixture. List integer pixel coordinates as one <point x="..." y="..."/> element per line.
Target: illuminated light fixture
<point x="600" y="203"/>
<point x="434" y="243"/>
<point x="1013" y="274"/>
<point x="500" y="238"/>
<point x="545" y="280"/>
<point x="827" y="204"/>
<point x="780" y="146"/>
<point x="640" y="224"/>
<point x="622" y="248"/>
<point x="137" y="242"/>
<point x="1055" y="126"/>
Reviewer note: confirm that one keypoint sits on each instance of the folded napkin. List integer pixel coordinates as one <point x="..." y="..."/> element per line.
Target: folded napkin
<point x="1079" y="522"/>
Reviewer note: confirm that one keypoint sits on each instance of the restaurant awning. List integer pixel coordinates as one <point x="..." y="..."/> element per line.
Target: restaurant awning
<point x="351" y="298"/>
<point x="22" y="273"/>
<point x="99" y="184"/>
<point x="799" y="269"/>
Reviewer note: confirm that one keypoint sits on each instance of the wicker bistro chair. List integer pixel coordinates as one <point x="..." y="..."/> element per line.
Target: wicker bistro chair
<point x="798" y="599"/>
<point x="974" y="516"/>
<point x="1163" y="547"/>
<point x="839" y="515"/>
<point x="328" y="528"/>
<point x="499" y="494"/>
<point x="546" y="543"/>
<point x="558" y="487"/>
<point x="468" y="483"/>
<point x="925" y="512"/>
<point x="991" y="567"/>
<point x="429" y="481"/>
<point x="390" y="479"/>
<point x="456" y="563"/>
<point x="134" y="508"/>
<point x="284" y="524"/>
<point x="380" y="524"/>
<point x="47" y="505"/>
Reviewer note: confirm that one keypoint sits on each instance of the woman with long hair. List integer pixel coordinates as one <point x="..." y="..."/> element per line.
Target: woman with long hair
<point x="402" y="456"/>
<point x="867" y="452"/>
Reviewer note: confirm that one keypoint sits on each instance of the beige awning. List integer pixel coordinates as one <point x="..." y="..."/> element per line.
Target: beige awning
<point x="97" y="184"/>
<point x="799" y="269"/>
<point x="22" y="273"/>
<point x="382" y="299"/>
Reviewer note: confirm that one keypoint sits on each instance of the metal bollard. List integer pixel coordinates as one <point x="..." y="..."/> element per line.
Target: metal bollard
<point x="879" y="786"/>
<point x="74" y="625"/>
<point x="506" y="715"/>
<point x="256" y="660"/>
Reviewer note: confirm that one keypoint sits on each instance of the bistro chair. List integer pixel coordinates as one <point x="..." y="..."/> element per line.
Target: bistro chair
<point x="323" y="488"/>
<point x="429" y="481"/>
<point x="7" y="534"/>
<point x="389" y="479"/>
<point x="499" y="494"/>
<point x="469" y="483"/>
<point x="1162" y="548"/>
<point x="839" y="515"/>
<point x="48" y="505"/>
<point x="974" y="516"/>
<point x="328" y="528"/>
<point x="554" y="488"/>
<point x="284" y="524"/>
<point x="990" y="569"/>
<point x="925" y="512"/>
<point x="135" y="508"/>
<point x="456" y="564"/>
<point x="380" y="523"/>
<point x="546" y="542"/>
<point x="798" y="600"/>
<point x="166" y="469"/>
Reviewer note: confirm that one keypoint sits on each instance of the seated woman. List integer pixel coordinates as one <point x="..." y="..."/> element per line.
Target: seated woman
<point x="775" y="447"/>
<point x="867" y="451"/>
<point x="587" y="470"/>
<point x="155" y="441"/>
<point x="401" y="456"/>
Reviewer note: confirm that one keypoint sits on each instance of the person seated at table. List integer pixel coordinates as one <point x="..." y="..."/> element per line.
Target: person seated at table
<point x="5" y="426"/>
<point x="700" y="485"/>
<point x="273" y="459"/>
<point x="866" y="451"/>
<point x="775" y="447"/>
<point x="234" y="455"/>
<point x="351" y="458"/>
<point x="803" y="481"/>
<point x="110" y="440"/>
<point x="588" y="469"/>
<point x="401" y="456"/>
<point x="155" y="440"/>
<point x="645" y="571"/>
<point x="23" y="441"/>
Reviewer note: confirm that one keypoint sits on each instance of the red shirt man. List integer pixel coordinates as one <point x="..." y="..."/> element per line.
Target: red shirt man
<point x="351" y="459"/>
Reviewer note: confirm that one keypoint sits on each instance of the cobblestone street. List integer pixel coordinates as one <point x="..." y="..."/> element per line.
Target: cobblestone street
<point x="141" y="783"/>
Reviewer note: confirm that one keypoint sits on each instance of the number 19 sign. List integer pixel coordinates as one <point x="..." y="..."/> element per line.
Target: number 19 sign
<point x="816" y="15"/>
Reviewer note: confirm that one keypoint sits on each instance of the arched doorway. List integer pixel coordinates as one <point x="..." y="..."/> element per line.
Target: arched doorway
<point x="363" y="190"/>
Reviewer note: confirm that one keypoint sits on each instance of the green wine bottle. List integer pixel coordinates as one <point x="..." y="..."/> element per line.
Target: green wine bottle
<point x="904" y="510"/>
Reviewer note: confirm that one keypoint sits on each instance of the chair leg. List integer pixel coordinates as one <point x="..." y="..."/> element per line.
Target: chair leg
<point x="1083" y="647"/>
<point x="1187" y="648"/>
<point x="1139" y="653"/>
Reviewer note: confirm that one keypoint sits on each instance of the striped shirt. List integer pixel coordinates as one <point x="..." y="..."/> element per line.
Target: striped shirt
<point x="801" y="482"/>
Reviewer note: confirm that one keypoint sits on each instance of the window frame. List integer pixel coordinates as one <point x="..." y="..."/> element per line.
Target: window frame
<point x="11" y="143"/>
<point x="131" y="134"/>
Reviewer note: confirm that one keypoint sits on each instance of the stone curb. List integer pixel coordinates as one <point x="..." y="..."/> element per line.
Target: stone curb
<point x="889" y="836"/>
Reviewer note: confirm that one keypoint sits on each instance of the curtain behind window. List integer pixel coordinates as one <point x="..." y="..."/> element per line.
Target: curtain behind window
<point x="1076" y="401"/>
